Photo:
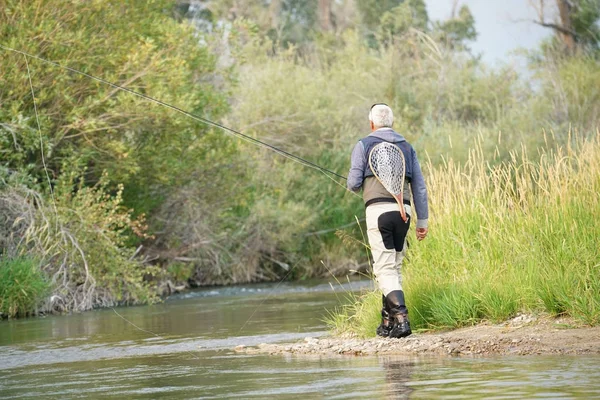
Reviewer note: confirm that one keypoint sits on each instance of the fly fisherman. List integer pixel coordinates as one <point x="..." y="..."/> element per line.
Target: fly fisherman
<point x="386" y="229"/>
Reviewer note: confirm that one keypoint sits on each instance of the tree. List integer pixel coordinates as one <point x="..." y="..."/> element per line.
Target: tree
<point x="409" y="14"/>
<point x="371" y="11"/>
<point x="325" y="15"/>
<point x="137" y="45"/>
<point x="576" y="23"/>
<point x="457" y="29"/>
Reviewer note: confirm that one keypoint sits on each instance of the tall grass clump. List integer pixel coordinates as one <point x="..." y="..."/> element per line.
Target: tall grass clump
<point x="22" y="286"/>
<point x="521" y="235"/>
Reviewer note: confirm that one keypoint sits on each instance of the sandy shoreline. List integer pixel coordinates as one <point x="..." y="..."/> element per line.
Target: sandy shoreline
<point x="523" y="335"/>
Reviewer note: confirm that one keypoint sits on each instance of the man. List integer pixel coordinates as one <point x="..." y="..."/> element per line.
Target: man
<point x="386" y="229"/>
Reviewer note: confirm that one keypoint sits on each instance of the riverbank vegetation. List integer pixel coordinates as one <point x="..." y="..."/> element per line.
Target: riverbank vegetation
<point x="117" y="200"/>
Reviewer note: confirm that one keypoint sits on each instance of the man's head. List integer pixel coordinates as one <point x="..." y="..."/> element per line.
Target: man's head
<point x="381" y="116"/>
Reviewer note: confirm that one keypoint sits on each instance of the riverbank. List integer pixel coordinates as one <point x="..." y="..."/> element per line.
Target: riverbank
<point x="523" y="335"/>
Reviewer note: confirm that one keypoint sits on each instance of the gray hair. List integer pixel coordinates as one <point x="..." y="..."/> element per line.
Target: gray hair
<point x="382" y="116"/>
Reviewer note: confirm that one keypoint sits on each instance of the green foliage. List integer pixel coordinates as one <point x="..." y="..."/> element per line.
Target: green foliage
<point x="398" y="20"/>
<point x="98" y="225"/>
<point x="359" y="316"/>
<point x="22" y="286"/>
<point x="79" y="237"/>
<point x="220" y="210"/>
<point x="105" y="150"/>
<point x="371" y="11"/>
<point x="574" y="85"/>
<point x="585" y="18"/>
<point x="313" y="105"/>
<point x="180" y="272"/>
<point x="135" y="44"/>
<point x="455" y="31"/>
<point x="297" y="20"/>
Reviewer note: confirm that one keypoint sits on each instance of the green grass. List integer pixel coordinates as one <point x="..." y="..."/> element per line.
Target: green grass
<point x="359" y="316"/>
<point x="22" y="286"/>
<point x="522" y="236"/>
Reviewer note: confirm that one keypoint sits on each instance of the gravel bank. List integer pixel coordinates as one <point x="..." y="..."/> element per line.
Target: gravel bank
<point x="523" y="335"/>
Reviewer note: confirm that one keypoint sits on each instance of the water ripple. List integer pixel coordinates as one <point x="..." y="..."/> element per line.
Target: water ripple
<point x="14" y="357"/>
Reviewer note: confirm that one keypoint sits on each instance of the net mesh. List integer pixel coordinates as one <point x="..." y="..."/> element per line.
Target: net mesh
<point x="387" y="163"/>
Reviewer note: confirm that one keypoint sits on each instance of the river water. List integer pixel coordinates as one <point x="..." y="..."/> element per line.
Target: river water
<point x="180" y="349"/>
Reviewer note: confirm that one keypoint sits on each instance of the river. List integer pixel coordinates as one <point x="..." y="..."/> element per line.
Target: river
<point x="181" y="349"/>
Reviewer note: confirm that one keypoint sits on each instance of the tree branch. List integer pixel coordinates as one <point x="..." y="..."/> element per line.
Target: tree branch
<point x="556" y="27"/>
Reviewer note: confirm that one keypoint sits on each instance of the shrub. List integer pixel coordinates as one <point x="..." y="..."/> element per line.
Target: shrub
<point x="79" y="237"/>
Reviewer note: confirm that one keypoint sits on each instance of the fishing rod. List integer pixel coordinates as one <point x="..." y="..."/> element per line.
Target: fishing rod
<point x="206" y="121"/>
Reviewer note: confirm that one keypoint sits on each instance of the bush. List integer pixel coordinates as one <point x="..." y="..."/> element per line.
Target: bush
<point x="79" y="237"/>
<point x="110" y="157"/>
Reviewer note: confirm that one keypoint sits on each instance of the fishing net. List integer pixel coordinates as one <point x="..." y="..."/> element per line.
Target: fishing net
<point x="387" y="163"/>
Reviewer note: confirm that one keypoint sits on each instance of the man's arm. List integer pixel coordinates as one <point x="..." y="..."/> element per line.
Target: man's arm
<point x="357" y="168"/>
<point x="419" y="192"/>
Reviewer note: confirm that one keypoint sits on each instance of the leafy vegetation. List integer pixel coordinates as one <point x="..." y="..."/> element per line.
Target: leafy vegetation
<point x="63" y="195"/>
<point x="120" y="200"/>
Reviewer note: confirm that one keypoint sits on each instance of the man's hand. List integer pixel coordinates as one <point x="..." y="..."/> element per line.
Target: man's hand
<point x="421" y="233"/>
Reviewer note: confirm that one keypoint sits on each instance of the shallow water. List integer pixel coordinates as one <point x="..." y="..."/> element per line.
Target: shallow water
<point x="180" y="350"/>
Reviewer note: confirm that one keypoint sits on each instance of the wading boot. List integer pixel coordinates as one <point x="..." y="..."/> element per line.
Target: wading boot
<point x="385" y="327"/>
<point x="401" y="327"/>
<point x="398" y="314"/>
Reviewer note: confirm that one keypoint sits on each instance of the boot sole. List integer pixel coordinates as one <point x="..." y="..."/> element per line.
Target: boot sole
<point x="398" y="335"/>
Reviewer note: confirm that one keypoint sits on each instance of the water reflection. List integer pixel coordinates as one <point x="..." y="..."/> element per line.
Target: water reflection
<point x="398" y="372"/>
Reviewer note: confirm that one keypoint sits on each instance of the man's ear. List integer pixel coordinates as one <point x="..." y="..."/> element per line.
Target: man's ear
<point x="372" y="125"/>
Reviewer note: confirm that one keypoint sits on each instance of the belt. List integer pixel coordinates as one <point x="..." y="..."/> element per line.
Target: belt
<point x="384" y="200"/>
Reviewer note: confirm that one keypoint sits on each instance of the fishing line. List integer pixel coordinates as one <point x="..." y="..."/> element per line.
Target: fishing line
<point x="39" y="128"/>
<point x="266" y="298"/>
<point x="241" y="135"/>
<point x="147" y="331"/>
<point x="135" y="326"/>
